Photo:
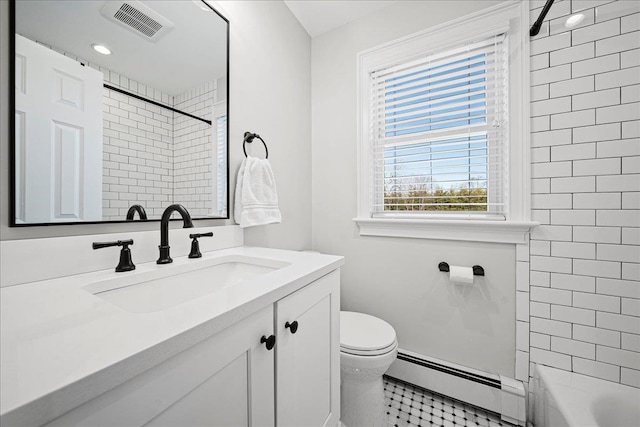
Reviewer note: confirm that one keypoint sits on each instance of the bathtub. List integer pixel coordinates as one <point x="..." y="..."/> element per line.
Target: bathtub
<point x="567" y="399"/>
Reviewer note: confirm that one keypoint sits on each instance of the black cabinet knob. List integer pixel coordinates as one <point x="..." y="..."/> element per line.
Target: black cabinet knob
<point x="293" y="327"/>
<point x="269" y="342"/>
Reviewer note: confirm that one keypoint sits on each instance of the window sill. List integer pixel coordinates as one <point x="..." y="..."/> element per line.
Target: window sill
<point x="441" y="229"/>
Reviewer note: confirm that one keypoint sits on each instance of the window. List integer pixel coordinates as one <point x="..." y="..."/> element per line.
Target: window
<point x="437" y="132"/>
<point x="443" y="133"/>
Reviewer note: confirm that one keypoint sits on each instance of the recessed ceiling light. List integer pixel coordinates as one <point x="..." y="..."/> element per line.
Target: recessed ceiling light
<point x="101" y="49"/>
<point x="574" y="20"/>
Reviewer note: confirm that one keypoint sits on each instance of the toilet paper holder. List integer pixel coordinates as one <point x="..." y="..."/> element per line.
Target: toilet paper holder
<point x="477" y="269"/>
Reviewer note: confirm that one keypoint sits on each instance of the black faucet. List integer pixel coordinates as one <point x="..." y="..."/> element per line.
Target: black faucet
<point x="164" y="230"/>
<point x="125" y="264"/>
<point x="195" y="246"/>
<point x="136" y="208"/>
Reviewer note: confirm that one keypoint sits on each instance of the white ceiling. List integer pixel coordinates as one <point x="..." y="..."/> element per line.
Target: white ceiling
<point x="191" y="53"/>
<point x="318" y="17"/>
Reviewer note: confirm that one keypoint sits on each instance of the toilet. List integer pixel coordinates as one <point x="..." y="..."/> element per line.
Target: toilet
<point x="368" y="346"/>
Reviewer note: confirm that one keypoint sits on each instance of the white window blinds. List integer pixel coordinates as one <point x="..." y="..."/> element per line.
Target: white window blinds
<point x="221" y="162"/>
<point x="438" y="133"/>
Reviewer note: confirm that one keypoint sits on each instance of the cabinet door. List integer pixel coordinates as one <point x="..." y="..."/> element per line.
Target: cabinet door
<point x="308" y="361"/>
<point x="226" y="380"/>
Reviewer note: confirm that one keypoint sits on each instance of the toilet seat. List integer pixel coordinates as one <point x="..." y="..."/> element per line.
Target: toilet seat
<point x="364" y="335"/>
<point x="377" y="352"/>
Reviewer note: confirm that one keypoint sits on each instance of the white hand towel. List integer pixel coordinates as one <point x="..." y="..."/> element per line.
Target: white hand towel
<point x="237" y="209"/>
<point x="256" y="196"/>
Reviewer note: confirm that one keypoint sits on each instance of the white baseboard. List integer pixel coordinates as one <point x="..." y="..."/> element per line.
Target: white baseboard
<point x="496" y="393"/>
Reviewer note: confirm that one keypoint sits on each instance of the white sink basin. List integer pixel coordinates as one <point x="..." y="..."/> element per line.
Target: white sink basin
<point x="163" y="287"/>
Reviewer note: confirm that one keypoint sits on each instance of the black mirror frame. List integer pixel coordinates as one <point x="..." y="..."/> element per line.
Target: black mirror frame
<point x="12" y="134"/>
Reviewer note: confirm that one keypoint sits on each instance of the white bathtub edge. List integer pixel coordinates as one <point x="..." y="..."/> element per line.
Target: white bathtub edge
<point x="565" y="398"/>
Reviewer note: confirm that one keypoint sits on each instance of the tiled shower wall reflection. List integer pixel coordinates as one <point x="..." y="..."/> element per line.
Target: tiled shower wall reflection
<point x="154" y="156"/>
<point x="137" y="151"/>
<point x="192" y="150"/>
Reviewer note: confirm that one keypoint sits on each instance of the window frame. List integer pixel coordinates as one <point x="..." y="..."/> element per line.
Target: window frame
<point x="510" y="18"/>
<point x="219" y="110"/>
<point x="392" y="139"/>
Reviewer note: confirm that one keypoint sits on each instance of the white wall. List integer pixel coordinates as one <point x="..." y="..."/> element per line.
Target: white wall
<point x="269" y="94"/>
<point x="397" y="279"/>
<point x="585" y="257"/>
<point x="270" y="84"/>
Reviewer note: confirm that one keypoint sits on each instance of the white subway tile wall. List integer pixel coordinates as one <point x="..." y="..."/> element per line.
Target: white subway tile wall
<point x="137" y="151"/>
<point x="193" y="154"/>
<point x="584" y="284"/>
<point x="152" y="155"/>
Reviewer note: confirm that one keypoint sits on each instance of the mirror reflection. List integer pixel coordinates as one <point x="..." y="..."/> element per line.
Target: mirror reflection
<point x="119" y="103"/>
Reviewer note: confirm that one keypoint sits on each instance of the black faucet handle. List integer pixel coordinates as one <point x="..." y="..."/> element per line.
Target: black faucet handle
<point x="196" y="235"/>
<point x="124" y="243"/>
<point x="195" y="245"/>
<point x="125" y="264"/>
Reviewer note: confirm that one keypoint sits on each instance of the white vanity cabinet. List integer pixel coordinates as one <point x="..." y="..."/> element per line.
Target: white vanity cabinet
<point x="227" y="379"/>
<point x="308" y="360"/>
<point x="232" y="379"/>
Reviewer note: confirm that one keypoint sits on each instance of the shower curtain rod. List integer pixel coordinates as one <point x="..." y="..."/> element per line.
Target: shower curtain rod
<point x="151" y="101"/>
<point x="535" y="28"/>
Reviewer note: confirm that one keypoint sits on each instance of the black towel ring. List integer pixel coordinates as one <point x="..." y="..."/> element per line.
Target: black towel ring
<point x="248" y="137"/>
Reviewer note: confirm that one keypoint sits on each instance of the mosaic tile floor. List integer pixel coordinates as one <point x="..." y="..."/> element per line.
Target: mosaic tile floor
<point x="409" y="406"/>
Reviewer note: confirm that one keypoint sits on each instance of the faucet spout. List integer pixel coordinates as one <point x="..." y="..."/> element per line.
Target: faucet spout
<point x="136" y="208"/>
<point x="165" y="258"/>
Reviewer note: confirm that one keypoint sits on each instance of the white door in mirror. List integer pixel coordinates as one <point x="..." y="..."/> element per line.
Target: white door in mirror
<point x="58" y="137"/>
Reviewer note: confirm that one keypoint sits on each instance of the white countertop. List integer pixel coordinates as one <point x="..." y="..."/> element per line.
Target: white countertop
<point x="62" y="346"/>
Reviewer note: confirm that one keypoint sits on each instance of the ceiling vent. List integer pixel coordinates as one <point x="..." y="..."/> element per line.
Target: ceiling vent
<point x="137" y="18"/>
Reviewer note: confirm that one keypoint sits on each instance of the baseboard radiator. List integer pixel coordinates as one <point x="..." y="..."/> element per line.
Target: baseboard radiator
<point x="496" y="393"/>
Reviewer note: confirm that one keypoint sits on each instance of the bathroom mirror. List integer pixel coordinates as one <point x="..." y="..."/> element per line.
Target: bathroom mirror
<point x="118" y="103"/>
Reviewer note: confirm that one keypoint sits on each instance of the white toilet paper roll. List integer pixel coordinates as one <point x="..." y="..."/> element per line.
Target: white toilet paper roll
<point x="461" y="275"/>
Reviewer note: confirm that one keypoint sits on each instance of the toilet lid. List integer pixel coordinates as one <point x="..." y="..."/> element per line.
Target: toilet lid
<point x="361" y="333"/>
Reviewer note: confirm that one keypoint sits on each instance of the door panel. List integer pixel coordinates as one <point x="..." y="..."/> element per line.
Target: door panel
<point x="222" y="400"/>
<point x="19" y="165"/>
<point x="69" y="90"/>
<point x="227" y="379"/>
<point x="21" y="69"/>
<point x="308" y="361"/>
<point x="67" y="171"/>
<point x="56" y="95"/>
<point x="305" y="357"/>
